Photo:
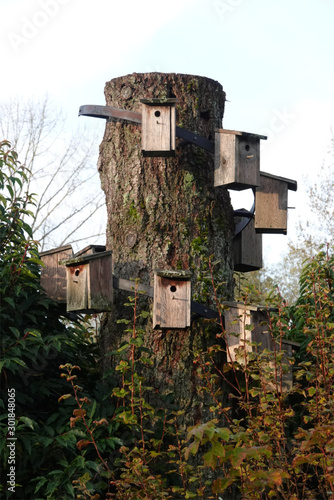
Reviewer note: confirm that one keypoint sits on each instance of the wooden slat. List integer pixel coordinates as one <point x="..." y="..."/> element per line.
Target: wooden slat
<point x="53" y="275"/>
<point x="77" y="289"/>
<point x="271" y="205"/>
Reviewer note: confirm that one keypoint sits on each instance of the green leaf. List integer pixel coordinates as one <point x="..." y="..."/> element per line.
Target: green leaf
<point x="10" y="301"/>
<point x="28" y="422"/>
<point x="41" y="482"/>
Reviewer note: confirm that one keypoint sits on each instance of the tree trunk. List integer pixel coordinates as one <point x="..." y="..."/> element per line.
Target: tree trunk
<point x="164" y="213"/>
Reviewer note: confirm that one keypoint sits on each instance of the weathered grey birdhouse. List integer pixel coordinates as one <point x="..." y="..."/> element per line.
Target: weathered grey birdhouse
<point x="53" y="275"/>
<point x="247" y="249"/>
<point x="237" y="159"/>
<point x="89" y="282"/>
<point x="271" y="203"/>
<point x="172" y="299"/>
<point x="158" y="127"/>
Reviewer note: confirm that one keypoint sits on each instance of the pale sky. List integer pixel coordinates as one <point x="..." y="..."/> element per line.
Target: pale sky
<point x="274" y="59"/>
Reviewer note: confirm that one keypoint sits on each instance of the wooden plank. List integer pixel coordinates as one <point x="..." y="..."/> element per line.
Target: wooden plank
<point x="77" y="290"/>
<point x="53" y="275"/>
<point x="100" y="284"/>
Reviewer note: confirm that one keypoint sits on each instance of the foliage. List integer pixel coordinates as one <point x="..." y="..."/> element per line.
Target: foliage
<point x="281" y="443"/>
<point x="34" y="338"/>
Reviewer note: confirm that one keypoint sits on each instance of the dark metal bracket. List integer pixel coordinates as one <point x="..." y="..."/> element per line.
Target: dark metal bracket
<point x="110" y="113"/>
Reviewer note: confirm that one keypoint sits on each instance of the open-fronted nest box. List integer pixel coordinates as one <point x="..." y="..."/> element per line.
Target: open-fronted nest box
<point x="172" y="299"/>
<point x="247" y="248"/>
<point x="237" y="159"/>
<point x="53" y="274"/>
<point x="90" y="282"/>
<point x="271" y="203"/>
<point x="246" y="325"/>
<point x="158" y="127"/>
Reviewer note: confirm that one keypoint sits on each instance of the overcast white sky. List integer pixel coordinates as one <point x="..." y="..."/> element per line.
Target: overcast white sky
<point x="274" y="59"/>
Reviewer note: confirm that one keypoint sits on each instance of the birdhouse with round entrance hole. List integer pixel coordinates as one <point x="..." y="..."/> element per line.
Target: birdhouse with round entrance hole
<point x="237" y="159"/>
<point x="158" y="127"/>
<point x="172" y="299"/>
<point x="89" y="281"/>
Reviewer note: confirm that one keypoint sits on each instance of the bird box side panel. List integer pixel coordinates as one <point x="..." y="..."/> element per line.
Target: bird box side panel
<point x="260" y="333"/>
<point x="53" y="275"/>
<point x="157" y="125"/>
<point x="236" y="318"/>
<point x="77" y="293"/>
<point x="225" y="160"/>
<point x="100" y="289"/>
<point x="248" y="161"/>
<point x="172" y="303"/>
<point x="271" y="204"/>
<point x="247" y="248"/>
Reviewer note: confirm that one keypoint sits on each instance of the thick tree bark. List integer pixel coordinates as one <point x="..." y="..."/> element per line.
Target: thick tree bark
<point x="164" y="213"/>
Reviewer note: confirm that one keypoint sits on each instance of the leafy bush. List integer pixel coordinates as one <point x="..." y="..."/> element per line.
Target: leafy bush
<point x="34" y="340"/>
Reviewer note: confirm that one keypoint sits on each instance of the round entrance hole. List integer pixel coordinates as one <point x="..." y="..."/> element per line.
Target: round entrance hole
<point x="157" y="113"/>
<point x="77" y="272"/>
<point x="173" y="288"/>
<point x="247" y="147"/>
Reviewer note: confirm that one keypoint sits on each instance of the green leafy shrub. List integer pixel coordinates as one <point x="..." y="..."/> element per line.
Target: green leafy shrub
<point x="34" y="340"/>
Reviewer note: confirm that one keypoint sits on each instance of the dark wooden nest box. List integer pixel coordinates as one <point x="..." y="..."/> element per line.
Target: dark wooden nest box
<point x="271" y="203"/>
<point x="90" y="281"/>
<point x="158" y="127"/>
<point x="247" y="249"/>
<point x="53" y="274"/>
<point x="172" y="299"/>
<point x="237" y="159"/>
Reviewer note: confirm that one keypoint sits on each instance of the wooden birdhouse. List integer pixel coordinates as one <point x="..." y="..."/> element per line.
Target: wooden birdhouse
<point x="237" y="159"/>
<point x="158" y="127"/>
<point x="172" y="299"/>
<point x="238" y="317"/>
<point x="89" y="282"/>
<point x="271" y="203"/>
<point x="246" y="324"/>
<point x="247" y="249"/>
<point x="53" y="274"/>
